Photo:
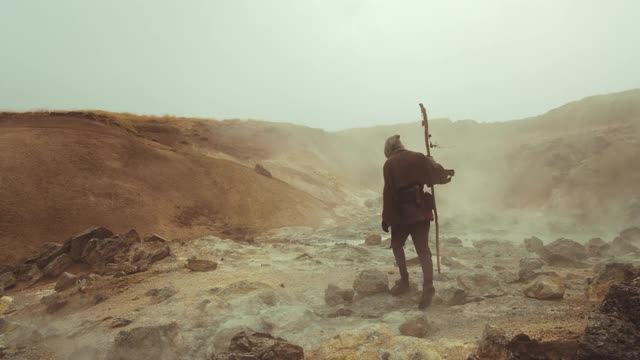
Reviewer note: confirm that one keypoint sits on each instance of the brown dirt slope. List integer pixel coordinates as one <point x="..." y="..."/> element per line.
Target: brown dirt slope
<point x="63" y="172"/>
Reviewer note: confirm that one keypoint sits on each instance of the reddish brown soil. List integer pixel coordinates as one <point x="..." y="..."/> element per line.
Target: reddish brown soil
<point x="61" y="173"/>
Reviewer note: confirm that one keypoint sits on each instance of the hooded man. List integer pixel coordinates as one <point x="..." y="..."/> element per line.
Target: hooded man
<point x="408" y="210"/>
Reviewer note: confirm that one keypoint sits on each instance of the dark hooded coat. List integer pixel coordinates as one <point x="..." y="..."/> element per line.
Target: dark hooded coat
<point x="404" y="170"/>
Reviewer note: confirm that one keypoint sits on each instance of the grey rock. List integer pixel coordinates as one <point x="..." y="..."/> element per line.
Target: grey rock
<point x="564" y="253"/>
<point x="533" y="245"/>
<point x="418" y="326"/>
<point x="613" y="328"/>
<point x="528" y="267"/>
<point x="260" y="346"/>
<point x="261" y="170"/>
<point x="201" y="265"/>
<point x="451" y="263"/>
<point x="150" y="342"/>
<point x="57" y="266"/>
<point x="155" y="238"/>
<point x="49" y="252"/>
<point x="371" y="281"/>
<point x="453" y="296"/>
<point x="334" y="295"/>
<point x="159" y="295"/>
<point x="78" y="243"/>
<point x="373" y="240"/>
<point x="597" y="247"/>
<point x="546" y="288"/>
<point x="65" y="281"/>
<point x="99" y="252"/>
<point x="7" y="281"/>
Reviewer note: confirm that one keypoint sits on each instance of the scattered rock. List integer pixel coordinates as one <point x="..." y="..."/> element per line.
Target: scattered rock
<point x="334" y="295"/>
<point x="528" y="266"/>
<point x="486" y="243"/>
<point x="6" y="305"/>
<point x="451" y="263"/>
<point x="597" y="247"/>
<point x="371" y="281"/>
<point x="57" y="266"/>
<point x="201" y="265"/>
<point x="99" y="252"/>
<point x="29" y="273"/>
<point x="150" y="342"/>
<point x="49" y="252"/>
<point x="260" y="346"/>
<point x="7" y="281"/>
<point x="373" y="240"/>
<point x="609" y="274"/>
<point x="149" y="252"/>
<point x="613" y="329"/>
<point x="78" y="243"/>
<point x="533" y="245"/>
<point x="546" y="288"/>
<point x="342" y="312"/>
<point x="452" y="296"/>
<point x="160" y="295"/>
<point x="65" y="281"/>
<point x="564" y="253"/>
<point x="261" y="170"/>
<point x="496" y="344"/>
<point x="155" y="238"/>
<point x="119" y="323"/>
<point x="132" y="236"/>
<point x="418" y="327"/>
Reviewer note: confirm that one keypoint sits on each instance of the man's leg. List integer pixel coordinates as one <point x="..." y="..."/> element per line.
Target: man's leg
<point x="399" y="235"/>
<point x="420" y="237"/>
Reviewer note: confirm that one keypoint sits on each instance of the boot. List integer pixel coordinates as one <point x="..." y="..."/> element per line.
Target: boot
<point x="401" y="287"/>
<point x="427" y="296"/>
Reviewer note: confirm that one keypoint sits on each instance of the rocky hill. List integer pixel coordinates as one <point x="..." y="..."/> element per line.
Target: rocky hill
<point x="569" y="170"/>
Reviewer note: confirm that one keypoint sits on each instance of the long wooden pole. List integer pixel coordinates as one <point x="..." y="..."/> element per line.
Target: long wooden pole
<point x="425" y="124"/>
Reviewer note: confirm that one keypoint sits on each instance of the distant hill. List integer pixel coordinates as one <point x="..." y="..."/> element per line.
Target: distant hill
<point x="574" y="168"/>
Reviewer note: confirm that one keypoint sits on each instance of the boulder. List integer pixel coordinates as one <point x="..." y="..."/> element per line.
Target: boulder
<point x="159" y="295"/>
<point x="607" y="275"/>
<point x="373" y="240"/>
<point x="7" y="281"/>
<point x="597" y="247"/>
<point x="48" y="252"/>
<point x="260" y="346"/>
<point x="334" y="295"/>
<point x="528" y="266"/>
<point x="201" y="265"/>
<point x="623" y="246"/>
<point x="371" y="281"/>
<point x="57" y="266"/>
<point x="65" y="281"/>
<point x="613" y="328"/>
<point x="78" y="243"/>
<point x="418" y="326"/>
<point x="99" y="252"/>
<point x="29" y="273"/>
<point x="261" y="170"/>
<point x="147" y="253"/>
<point x="342" y="312"/>
<point x="452" y="296"/>
<point x="496" y="344"/>
<point x="546" y="288"/>
<point x="564" y="253"/>
<point x="533" y="245"/>
<point x="132" y="236"/>
<point x="160" y="342"/>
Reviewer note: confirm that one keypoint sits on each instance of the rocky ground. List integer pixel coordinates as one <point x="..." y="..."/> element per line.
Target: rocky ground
<point x="322" y="292"/>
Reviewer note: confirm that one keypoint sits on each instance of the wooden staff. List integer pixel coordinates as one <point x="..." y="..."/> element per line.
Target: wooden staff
<point x="427" y="136"/>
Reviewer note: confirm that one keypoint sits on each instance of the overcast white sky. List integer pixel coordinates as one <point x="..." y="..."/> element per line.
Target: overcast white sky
<point x="323" y="63"/>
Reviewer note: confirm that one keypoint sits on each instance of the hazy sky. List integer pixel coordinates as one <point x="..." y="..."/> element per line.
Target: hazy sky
<point x="330" y="64"/>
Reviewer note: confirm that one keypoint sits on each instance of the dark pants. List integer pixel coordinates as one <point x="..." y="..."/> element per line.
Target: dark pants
<point x="420" y="235"/>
